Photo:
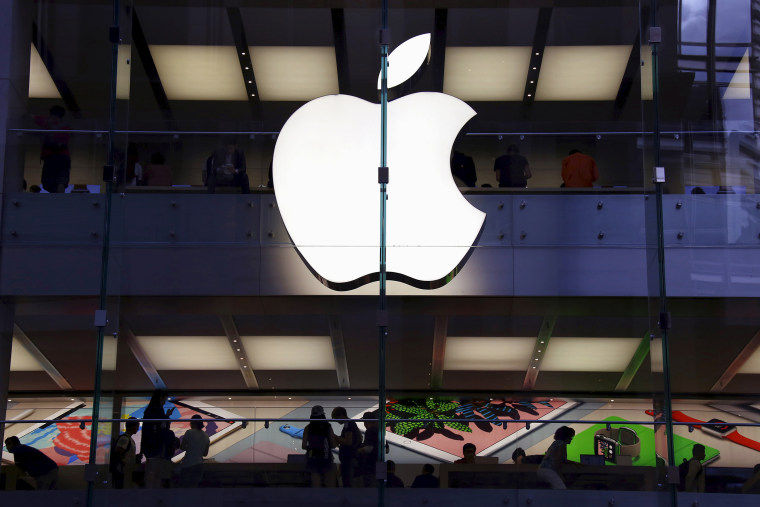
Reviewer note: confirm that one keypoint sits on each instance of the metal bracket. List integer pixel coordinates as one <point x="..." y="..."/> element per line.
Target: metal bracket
<point x="100" y="318"/>
<point x="655" y="34"/>
<point x="382" y="318"/>
<point x="665" y="322"/>
<point x="384" y="35"/>
<point x="382" y="175"/>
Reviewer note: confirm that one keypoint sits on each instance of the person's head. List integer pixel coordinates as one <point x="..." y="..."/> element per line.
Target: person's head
<point x="370" y="419"/>
<point x="512" y="149"/>
<point x="131" y="426"/>
<point x="756" y="469"/>
<point x="339" y="413"/>
<point x="698" y="452"/>
<point x="57" y="111"/>
<point x="391" y="466"/>
<point x="574" y="151"/>
<point x="428" y="469"/>
<point x="230" y="144"/>
<point x="564" y="433"/>
<point x="469" y="450"/>
<point x="35" y="189"/>
<point x="158" y="399"/>
<point x="157" y="158"/>
<point x="12" y="442"/>
<point x="197" y="422"/>
<point x="518" y="455"/>
<point x="317" y="412"/>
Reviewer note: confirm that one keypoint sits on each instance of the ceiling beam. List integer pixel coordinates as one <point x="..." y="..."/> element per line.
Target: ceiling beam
<point x="539" y="351"/>
<point x="244" y="57"/>
<point x="341" y="49"/>
<point x="736" y="364"/>
<point x="536" y="57"/>
<point x="233" y="337"/>
<point x="339" y="351"/>
<point x="440" y="332"/>
<point x="60" y="83"/>
<point x="30" y="347"/>
<point x="633" y="366"/>
<point x="438" y="48"/>
<point x="141" y="45"/>
<point x="126" y="335"/>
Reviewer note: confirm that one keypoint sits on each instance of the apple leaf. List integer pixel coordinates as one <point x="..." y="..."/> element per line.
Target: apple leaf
<point x="405" y="60"/>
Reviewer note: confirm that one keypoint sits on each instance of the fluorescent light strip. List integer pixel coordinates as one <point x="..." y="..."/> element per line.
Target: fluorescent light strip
<point x="752" y="365"/>
<point x="22" y="360"/>
<point x="486" y="73"/>
<point x="189" y="352"/>
<point x="739" y="87"/>
<point x="578" y="73"/>
<point x="589" y="354"/>
<point x="289" y="352"/>
<point x="488" y="353"/>
<point x="41" y="85"/>
<point x="199" y="72"/>
<point x="294" y="73"/>
<point x="123" y="71"/>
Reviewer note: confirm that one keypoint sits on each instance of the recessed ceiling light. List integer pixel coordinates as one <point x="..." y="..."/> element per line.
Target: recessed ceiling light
<point x="243" y="53"/>
<point x="480" y="74"/>
<point x="534" y="68"/>
<point x="246" y="68"/>
<point x="490" y="353"/>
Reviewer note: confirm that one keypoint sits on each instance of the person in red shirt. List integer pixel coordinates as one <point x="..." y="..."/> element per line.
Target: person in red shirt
<point x="579" y="170"/>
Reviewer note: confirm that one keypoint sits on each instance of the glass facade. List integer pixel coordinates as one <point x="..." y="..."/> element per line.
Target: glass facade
<point x="528" y="216"/>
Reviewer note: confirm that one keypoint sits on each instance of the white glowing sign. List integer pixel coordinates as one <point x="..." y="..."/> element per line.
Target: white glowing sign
<point x="325" y="179"/>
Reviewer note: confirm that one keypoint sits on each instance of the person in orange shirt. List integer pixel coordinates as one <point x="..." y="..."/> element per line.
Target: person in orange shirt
<point x="579" y="170"/>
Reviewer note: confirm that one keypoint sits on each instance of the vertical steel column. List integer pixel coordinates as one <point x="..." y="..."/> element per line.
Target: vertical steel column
<point x="108" y="178"/>
<point x="664" y="318"/>
<point x="382" y="313"/>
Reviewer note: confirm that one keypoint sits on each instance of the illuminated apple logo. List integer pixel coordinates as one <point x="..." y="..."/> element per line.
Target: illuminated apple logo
<point x="325" y="179"/>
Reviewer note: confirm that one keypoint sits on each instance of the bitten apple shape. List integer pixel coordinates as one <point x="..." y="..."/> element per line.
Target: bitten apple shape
<point x="326" y="183"/>
<point x="325" y="179"/>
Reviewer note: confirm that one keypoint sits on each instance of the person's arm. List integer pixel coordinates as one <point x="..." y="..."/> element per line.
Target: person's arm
<point x="183" y="444"/>
<point x="528" y="174"/>
<point x="208" y="444"/>
<point x="333" y="439"/>
<point x="594" y="171"/>
<point x="305" y="438"/>
<point x="241" y="162"/>
<point x="347" y="440"/>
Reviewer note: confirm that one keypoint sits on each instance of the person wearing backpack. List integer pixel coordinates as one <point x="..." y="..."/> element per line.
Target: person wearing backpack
<point x="348" y="442"/>
<point x="694" y="479"/>
<point x="318" y="441"/>
<point x="123" y="457"/>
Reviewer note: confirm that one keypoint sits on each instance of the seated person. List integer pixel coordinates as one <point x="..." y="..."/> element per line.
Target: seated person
<point x="157" y="173"/>
<point x="226" y="166"/>
<point x="393" y="480"/>
<point x="426" y="479"/>
<point x="468" y="450"/>
<point x="520" y="458"/>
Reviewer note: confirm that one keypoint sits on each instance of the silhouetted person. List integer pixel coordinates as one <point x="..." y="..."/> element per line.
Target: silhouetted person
<point x="512" y="169"/>
<point x="55" y="155"/>
<point x="392" y="480"/>
<point x="426" y="479"/>
<point x="226" y="166"/>
<point x="195" y="443"/>
<point x="697" y="190"/>
<point x="579" y="170"/>
<point x="752" y="486"/>
<point x="134" y="170"/>
<point x="463" y="168"/>
<point x="34" y="462"/>
<point x="469" y="451"/>
<point x="318" y="441"/>
<point x="124" y="459"/>
<point x="157" y="444"/>
<point x="556" y="456"/>
<point x="519" y="457"/>
<point x="349" y="441"/>
<point x="367" y="453"/>
<point x="695" y="475"/>
<point x="157" y="173"/>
